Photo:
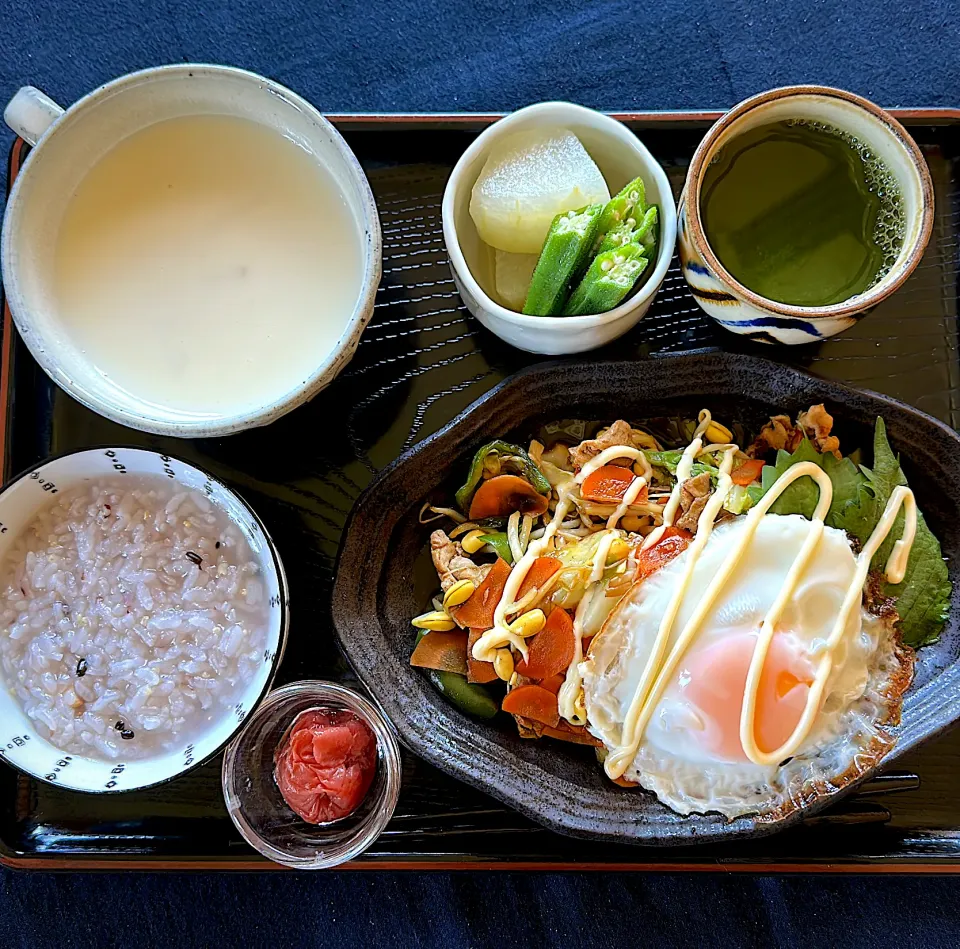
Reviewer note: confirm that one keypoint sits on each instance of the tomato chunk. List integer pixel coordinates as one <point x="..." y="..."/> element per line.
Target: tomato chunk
<point x="674" y="542"/>
<point x="747" y="473"/>
<point x="608" y="485"/>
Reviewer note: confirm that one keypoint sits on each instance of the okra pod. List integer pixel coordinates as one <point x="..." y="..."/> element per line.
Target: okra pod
<point x="568" y="245"/>
<point x="642" y="232"/>
<point x="609" y="279"/>
<point x="629" y="203"/>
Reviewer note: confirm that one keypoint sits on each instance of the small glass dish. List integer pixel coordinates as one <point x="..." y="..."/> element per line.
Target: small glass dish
<point x="258" y="809"/>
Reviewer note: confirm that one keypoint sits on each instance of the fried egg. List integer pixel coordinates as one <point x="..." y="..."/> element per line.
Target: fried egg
<point x="690" y="754"/>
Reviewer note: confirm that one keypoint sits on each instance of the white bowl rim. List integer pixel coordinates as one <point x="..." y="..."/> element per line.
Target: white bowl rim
<point x="284" y="614"/>
<point x="668" y="220"/>
<point x="370" y="237"/>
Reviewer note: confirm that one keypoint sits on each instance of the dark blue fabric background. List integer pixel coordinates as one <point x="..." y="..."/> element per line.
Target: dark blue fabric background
<point x="444" y="55"/>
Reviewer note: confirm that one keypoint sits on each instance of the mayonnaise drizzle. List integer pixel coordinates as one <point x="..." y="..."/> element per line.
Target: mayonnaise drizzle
<point x="629" y="496"/>
<point x="611" y="454"/>
<point x="684" y="467"/>
<point x="657" y="671"/>
<point x="894" y="570"/>
<point x="637" y="715"/>
<point x="655" y="679"/>
<point x="485" y="648"/>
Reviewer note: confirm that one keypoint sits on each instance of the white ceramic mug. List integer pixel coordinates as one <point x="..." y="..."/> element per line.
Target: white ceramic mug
<point x="69" y="142"/>
<point x="741" y="310"/>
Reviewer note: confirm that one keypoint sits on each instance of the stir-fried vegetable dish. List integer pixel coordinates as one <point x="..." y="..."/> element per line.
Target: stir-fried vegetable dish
<point x="545" y="540"/>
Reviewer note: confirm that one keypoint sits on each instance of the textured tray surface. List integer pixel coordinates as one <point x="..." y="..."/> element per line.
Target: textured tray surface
<point x="421" y="361"/>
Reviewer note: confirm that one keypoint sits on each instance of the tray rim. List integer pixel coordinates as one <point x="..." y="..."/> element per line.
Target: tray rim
<point x="397" y="121"/>
<point x="357" y="121"/>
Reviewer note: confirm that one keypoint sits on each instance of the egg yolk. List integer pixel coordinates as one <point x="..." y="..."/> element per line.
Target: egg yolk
<point x="713" y="680"/>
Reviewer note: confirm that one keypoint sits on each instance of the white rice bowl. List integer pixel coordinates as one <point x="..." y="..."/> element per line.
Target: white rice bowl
<point x="178" y="655"/>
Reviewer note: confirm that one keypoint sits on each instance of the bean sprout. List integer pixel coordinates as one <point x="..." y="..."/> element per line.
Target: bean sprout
<point x="439" y="512"/>
<point x="526" y="529"/>
<point x="568" y="525"/>
<point x="513" y="536"/>
<point x="712" y="449"/>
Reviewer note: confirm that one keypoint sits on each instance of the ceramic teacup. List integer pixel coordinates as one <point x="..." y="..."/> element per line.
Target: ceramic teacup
<point x="739" y="309"/>
<point x="68" y="143"/>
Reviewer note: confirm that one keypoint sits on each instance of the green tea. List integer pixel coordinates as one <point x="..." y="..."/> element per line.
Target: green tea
<point x="802" y="213"/>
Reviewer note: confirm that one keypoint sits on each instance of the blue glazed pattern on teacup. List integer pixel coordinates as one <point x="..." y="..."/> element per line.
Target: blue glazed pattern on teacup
<point x="739" y="309"/>
<point x="739" y="316"/>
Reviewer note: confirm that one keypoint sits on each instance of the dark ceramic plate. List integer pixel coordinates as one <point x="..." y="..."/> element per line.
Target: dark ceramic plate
<point x="379" y="584"/>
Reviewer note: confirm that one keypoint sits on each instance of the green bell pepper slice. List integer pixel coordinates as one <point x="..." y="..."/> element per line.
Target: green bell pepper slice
<point x="469" y="697"/>
<point x="499" y="542"/>
<point x="512" y="457"/>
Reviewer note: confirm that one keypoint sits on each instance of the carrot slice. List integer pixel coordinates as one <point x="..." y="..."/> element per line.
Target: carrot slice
<point x="551" y="650"/>
<point x="534" y="702"/>
<point x="542" y="569"/>
<point x="478" y="671"/>
<point x="747" y="473"/>
<point x="564" y="731"/>
<point x="674" y="541"/>
<point x="477" y="612"/>
<point x="609" y="484"/>
<point x="445" y="652"/>
<point x="505" y="494"/>
<point x="553" y="683"/>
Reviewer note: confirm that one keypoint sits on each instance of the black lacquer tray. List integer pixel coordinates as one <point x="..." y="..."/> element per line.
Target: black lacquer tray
<point x="421" y="361"/>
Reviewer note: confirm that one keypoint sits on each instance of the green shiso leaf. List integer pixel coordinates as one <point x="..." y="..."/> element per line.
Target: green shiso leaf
<point x="860" y="495"/>
<point x="923" y="598"/>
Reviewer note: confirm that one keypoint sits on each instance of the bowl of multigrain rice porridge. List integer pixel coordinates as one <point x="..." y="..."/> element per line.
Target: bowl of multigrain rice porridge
<point x="143" y="614"/>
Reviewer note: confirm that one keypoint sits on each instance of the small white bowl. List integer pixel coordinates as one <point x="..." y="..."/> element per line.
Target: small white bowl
<point x="621" y="156"/>
<point x="20" y="743"/>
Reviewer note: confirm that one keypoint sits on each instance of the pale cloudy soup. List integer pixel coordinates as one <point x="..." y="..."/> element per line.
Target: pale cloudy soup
<point x="207" y="264"/>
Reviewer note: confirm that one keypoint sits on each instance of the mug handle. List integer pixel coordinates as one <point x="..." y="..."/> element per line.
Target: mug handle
<point x="30" y="113"/>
